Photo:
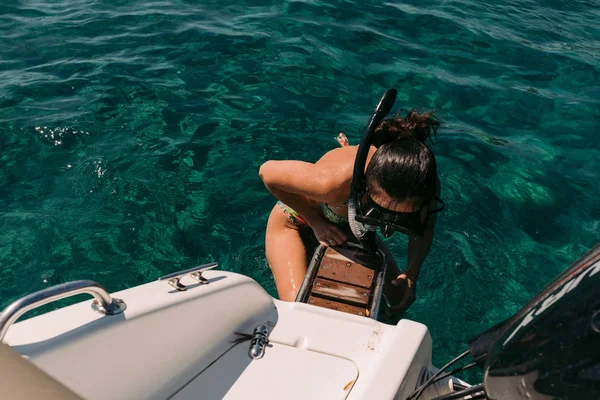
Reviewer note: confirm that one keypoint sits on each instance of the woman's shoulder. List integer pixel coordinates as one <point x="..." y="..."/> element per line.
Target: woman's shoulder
<point x="340" y="158"/>
<point x="338" y="165"/>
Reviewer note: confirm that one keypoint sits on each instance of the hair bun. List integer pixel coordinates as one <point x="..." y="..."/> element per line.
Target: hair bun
<point x="418" y="126"/>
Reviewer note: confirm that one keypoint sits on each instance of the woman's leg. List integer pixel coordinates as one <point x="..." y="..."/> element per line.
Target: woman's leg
<point x="286" y="254"/>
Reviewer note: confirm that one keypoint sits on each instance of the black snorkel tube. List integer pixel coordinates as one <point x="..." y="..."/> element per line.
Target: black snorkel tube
<point x="364" y="233"/>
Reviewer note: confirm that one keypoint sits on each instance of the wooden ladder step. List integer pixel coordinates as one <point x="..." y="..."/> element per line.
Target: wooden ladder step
<point x="341" y="292"/>
<point x="341" y="269"/>
<point x="334" y="305"/>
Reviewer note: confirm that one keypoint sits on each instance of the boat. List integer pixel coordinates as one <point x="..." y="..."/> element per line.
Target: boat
<point x="210" y="334"/>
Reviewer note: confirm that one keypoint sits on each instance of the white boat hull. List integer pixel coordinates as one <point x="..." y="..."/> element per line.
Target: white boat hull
<point x="179" y="345"/>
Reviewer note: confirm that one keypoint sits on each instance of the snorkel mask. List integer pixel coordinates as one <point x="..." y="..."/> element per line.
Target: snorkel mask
<point x="409" y="223"/>
<point x="366" y="218"/>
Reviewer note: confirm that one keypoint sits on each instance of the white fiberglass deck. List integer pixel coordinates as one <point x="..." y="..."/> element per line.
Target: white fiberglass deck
<point x="178" y="345"/>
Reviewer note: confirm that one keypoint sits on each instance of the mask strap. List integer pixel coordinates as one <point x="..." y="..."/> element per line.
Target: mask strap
<point x="437" y="210"/>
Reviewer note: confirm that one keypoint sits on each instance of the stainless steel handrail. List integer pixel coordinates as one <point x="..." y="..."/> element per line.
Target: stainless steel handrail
<point x="103" y="302"/>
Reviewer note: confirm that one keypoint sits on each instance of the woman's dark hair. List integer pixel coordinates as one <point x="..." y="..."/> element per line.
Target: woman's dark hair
<point x="403" y="166"/>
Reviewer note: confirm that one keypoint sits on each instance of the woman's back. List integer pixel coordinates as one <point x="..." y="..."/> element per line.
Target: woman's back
<point x="338" y="164"/>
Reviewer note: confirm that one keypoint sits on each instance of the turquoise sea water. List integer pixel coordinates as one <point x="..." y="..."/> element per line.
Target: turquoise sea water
<point x="131" y="133"/>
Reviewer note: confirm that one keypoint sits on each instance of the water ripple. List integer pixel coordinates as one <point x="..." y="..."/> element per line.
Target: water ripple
<point x="131" y="133"/>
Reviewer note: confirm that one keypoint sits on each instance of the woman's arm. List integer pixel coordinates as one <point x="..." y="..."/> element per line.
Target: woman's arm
<point x="298" y="184"/>
<point x="320" y="181"/>
<point x="418" y="249"/>
<point x="302" y="186"/>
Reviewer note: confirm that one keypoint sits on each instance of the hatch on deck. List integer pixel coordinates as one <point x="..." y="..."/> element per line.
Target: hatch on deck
<point x="284" y="372"/>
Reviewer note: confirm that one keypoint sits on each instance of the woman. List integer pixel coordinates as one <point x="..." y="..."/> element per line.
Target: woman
<point x="401" y="178"/>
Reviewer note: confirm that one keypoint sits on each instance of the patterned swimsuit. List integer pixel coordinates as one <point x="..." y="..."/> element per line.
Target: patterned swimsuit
<point x="300" y="222"/>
